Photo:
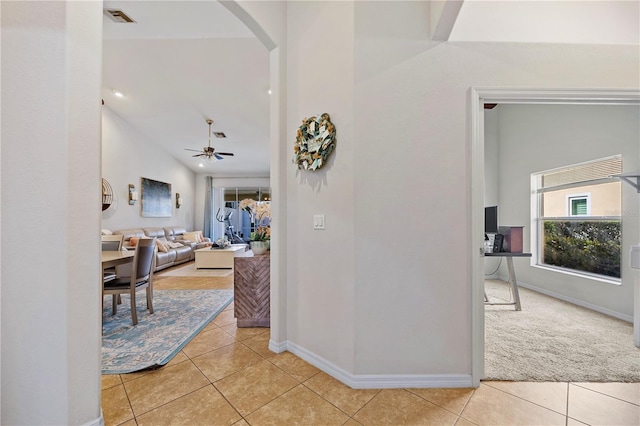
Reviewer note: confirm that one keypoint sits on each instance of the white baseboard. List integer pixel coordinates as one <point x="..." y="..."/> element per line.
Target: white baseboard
<point x="96" y="422"/>
<point x="277" y="347"/>
<point x="614" y="314"/>
<point x="375" y="381"/>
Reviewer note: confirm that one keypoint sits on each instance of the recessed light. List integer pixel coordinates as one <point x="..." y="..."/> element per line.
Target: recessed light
<point x="118" y="94"/>
<point x="200" y="164"/>
<point x="269" y="91"/>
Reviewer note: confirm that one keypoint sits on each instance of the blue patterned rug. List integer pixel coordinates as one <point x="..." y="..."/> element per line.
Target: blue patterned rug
<point x="178" y="316"/>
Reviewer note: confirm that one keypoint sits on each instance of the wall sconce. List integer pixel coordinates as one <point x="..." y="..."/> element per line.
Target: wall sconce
<point x="133" y="195"/>
<point x="178" y="200"/>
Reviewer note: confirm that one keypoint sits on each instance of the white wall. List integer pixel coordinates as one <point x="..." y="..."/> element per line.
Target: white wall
<point x="127" y="156"/>
<point x="413" y="288"/>
<point x="534" y="138"/>
<point x="404" y="299"/>
<point x="320" y="264"/>
<point x="50" y="277"/>
<point x="491" y="157"/>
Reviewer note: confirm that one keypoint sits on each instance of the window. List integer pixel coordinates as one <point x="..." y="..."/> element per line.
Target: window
<point x="578" y="205"/>
<point x="578" y="223"/>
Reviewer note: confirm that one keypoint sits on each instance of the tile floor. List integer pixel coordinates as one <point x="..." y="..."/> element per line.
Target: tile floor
<point x="227" y="376"/>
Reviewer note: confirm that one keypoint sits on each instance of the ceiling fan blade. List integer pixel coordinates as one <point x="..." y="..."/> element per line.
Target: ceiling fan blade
<point x="199" y="155"/>
<point x="225" y="153"/>
<point x="218" y="156"/>
<point x="194" y="150"/>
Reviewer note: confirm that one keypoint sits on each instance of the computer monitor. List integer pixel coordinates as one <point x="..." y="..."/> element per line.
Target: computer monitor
<point x="491" y="220"/>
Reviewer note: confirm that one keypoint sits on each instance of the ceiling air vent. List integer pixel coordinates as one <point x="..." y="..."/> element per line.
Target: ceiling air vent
<point x="118" y="16"/>
<point x="219" y="135"/>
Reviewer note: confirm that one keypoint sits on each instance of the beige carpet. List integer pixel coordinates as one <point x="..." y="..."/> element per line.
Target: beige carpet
<point x="186" y="277"/>
<point x="552" y="340"/>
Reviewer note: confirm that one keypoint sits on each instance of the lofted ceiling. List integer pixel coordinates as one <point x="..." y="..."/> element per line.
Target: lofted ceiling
<point x="549" y="21"/>
<point x="183" y="62"/>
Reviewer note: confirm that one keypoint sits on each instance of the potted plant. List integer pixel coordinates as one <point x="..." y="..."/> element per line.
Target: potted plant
<point x="260" y="213"/>
<point x="260" y="240"/>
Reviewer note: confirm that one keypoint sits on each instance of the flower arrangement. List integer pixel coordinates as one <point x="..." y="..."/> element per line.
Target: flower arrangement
<point x="248" y="205"/>
<point x="263" y="211"/>
<point x="259" y="212"/>
<point x="262" y="233"/>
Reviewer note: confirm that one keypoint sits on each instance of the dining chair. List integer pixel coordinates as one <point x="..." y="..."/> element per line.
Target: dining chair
<point x="111" y="243"/>
<point x="141" y="277"/>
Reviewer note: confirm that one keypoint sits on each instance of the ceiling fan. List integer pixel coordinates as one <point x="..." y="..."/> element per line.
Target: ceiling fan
<point x="208" y="152"/>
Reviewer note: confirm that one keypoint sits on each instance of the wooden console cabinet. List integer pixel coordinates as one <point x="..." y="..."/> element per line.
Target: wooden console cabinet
<point x="251" y="287"/>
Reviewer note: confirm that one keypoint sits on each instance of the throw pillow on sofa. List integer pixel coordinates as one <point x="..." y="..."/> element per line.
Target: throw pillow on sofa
<point x="191" y="236"/>
<point x="161" y="246"/>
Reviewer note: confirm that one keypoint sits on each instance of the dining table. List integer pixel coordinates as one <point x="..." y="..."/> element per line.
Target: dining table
<point x="111" y="259"/>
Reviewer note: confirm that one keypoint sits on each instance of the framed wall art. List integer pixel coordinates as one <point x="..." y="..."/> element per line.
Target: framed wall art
<point x="156" y="198"/>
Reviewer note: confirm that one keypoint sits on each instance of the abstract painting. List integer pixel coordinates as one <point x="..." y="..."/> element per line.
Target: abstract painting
<point x="156" y="198"/>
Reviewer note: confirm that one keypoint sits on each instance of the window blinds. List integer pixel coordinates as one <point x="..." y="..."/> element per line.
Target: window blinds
<point x="579" y="174"/>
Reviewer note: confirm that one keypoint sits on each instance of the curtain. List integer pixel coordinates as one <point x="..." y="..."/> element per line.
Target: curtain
<point x="208" y="208"/>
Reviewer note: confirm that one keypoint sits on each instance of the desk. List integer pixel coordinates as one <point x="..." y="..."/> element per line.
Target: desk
<point x="513" y="282"/>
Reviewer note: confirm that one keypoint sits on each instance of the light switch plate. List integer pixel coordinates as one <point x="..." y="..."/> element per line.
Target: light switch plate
<point x="318" y="221"/>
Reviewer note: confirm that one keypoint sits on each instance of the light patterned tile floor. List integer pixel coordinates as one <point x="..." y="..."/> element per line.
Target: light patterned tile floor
<point x="228" y="376"/>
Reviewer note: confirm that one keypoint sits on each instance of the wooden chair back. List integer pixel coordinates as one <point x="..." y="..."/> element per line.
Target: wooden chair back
<point x="112" y="242"/>
<point x="143" y="261"/>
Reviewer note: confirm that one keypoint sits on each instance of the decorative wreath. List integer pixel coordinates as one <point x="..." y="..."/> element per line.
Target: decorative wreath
<point x="315" y="140"/>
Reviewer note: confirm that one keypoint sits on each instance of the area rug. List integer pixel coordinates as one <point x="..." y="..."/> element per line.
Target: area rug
<point x="178" y="316"/>
<point x="552" y="340"/>
<point x="189" y="270"/>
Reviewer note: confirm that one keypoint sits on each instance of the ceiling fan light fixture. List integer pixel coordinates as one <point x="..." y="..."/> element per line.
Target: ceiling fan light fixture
<point x="208" y="153"/>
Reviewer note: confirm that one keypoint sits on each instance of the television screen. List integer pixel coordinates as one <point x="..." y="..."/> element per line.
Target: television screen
<point x="491" y="220"/>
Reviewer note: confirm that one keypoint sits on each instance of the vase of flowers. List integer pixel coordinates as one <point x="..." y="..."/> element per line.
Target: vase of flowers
<point x="260" y="214"/>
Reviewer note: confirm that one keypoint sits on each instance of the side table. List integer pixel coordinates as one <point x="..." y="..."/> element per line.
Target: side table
<point x="251" y="288"/>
